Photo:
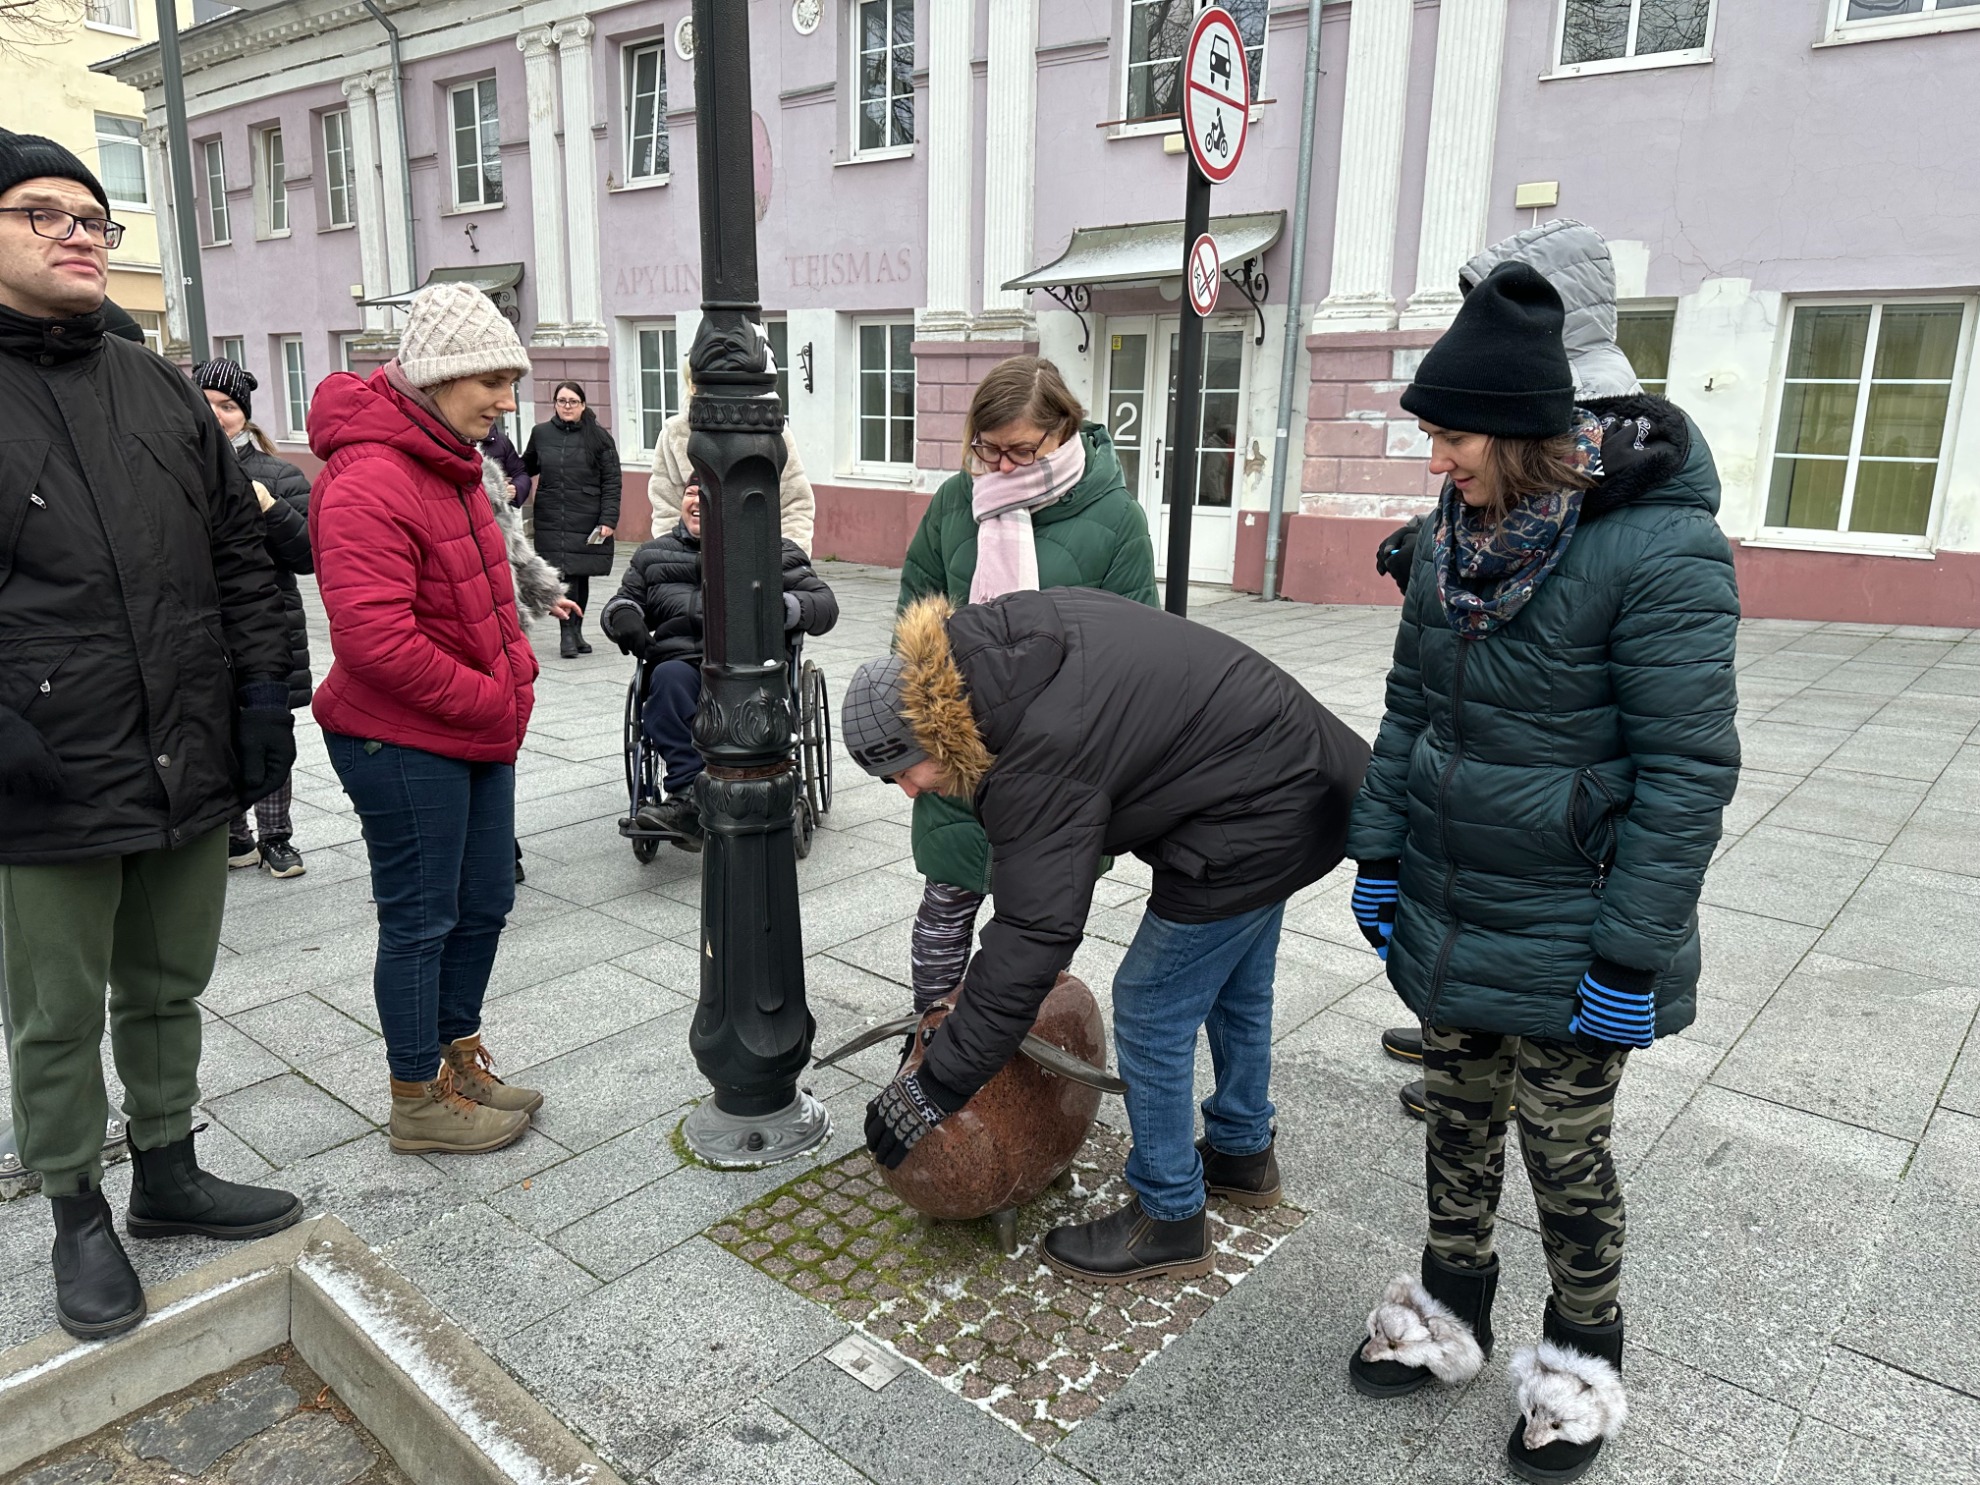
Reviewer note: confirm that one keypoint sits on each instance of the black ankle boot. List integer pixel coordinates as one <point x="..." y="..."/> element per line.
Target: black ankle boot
<point x="567" y="640"/>
<point x="171" y="1195"/>
<point x="1248" y="1180"/>
<point x="1571" y="1398"/>
<point x="1131" y="1245"/>
<point x="1440" y="1328"/>
<point x="97" y="1292"/>
<point x="577" y="635"/>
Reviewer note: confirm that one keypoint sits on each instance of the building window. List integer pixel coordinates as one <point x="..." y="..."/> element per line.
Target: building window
<point x="778" y="332"/>
<point x="1858" y="20"/>
<point x="883" y="75"/>
<point x="232" y="348"/>
<point x="1157" y="33"/>
<point x="477" y="145"/>
<point x="346" y="348"/>
<point x="218" y="228"/>
<point x="659" y="388"/>
<point x="152" y="323"/>
<point x="295" y="387"/>
<point x="1645" y="338"/>
<point x="647" y="157"/>
<point x="1653" y="32"/>
<point x="339" y="169"/>
<point x="274" y="183"/>
<point x="886" y="394"/>
<point x="1864" y="406"/>
<point x="112" y="15"/>
<point x="120" y="160"/>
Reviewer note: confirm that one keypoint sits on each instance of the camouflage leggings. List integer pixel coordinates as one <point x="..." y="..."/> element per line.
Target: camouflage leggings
<point x="1565" y="1098"/>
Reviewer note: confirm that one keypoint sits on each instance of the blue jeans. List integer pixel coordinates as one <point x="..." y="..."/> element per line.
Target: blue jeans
<point x="441" y="836"/>
<point x="1178" y="977"/>
<point x="673" y="692"/>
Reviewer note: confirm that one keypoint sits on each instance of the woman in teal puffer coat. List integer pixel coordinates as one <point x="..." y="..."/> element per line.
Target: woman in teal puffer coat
<point x="1040" y="503"/>
<point x="1534" y="831"/>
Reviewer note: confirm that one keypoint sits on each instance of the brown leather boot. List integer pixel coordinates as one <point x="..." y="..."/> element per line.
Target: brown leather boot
<point x="474" y="1075"/>
<point x="436" y="1116"/>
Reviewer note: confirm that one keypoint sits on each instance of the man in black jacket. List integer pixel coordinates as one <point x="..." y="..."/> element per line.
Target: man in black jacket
<point x="1083" y="725"/>
<point x="656" y="616"/>
<point x="143" y="700"/>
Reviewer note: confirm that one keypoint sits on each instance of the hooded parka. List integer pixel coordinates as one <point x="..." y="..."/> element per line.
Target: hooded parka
<point x="287" y="525"/>
<point x="1085" y="725"/>
<point x="663" y="581"/>
<point x="136" y="595"/>
<point x="1554" y="790"/>
<point x="576" y="469"/>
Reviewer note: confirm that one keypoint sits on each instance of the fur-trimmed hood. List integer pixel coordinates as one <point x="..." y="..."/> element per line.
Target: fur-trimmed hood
<point x="935" y="700"/>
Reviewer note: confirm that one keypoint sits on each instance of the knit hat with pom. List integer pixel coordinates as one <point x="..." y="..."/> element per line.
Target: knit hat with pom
<point x="454" y="330"/>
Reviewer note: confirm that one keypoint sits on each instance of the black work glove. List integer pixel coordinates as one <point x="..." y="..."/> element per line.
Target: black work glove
<point x="27" y="768"/>
<point x="625" y="626"/>
<point x="264" y="739"/>
<point x="907" y="1108"/>
<point x="1397" y="552"/>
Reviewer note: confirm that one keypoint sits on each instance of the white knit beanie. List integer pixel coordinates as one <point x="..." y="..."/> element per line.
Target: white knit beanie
<point x="455" y="330"/>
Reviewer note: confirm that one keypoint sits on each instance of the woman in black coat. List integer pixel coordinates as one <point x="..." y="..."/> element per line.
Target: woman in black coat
<point x="576" y="468"/>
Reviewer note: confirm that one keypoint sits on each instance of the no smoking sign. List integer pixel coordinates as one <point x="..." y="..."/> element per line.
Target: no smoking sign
<point x="1216" y="94"/>
<point x="1205" y="275"/>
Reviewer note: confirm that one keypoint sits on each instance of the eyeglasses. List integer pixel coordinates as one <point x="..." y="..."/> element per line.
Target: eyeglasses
<point x="569" y="402"/>
<point x="1020" y="455"/>
<point x="60" y="226"/>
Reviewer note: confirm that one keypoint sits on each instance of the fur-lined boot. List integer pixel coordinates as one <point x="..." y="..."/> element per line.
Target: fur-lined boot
<point x="1571" y="1398"/>
<point x="1439" y="1328"/>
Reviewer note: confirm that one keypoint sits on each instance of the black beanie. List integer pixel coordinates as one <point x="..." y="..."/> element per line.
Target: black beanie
<point x="1501" y="368"/>
<point x="29" y="157"/>
<point x="230" y="379"/>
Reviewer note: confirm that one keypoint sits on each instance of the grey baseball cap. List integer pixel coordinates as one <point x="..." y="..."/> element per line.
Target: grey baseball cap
<point x="879" y="738"/>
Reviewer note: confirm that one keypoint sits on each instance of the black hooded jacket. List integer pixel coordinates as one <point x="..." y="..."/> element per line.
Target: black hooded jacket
<point x="663" y="581"/>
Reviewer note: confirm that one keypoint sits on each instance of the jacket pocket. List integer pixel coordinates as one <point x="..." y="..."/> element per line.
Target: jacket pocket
<point x="20" y="472"/>
<point x="1595" y="814"/>
<point x="1179" y="858"/>
<point x="31" y="673"/>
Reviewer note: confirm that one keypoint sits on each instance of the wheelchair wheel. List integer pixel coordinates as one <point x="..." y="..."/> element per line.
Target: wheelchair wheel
<point x="803" y="827"/>
<point x="645" y="850"/>
<point x="816" y="741"/>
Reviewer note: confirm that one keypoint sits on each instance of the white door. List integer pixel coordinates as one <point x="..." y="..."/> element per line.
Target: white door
<point x="1135" y="395"/>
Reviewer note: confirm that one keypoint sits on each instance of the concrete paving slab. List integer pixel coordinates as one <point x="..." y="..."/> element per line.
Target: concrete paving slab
<point x="1882" y="923"/>
<point x="576" y="1186"/>
<point x="559" y="944"/>
<point x="1789" y="874"/>
<point x="1788" y="747"/>
<point x="1833" y="800"/>
<point x="758" y="1445"/>
<point x="285" y="1120"/>
<point x="300" y="1028"/>
<point x="1898" y="752"/>
<point x="487" y="1273"/>
<point x="1935" y="1426"/>
<point x="1939" y="840"/>
<point x="230" y="1060"/>
<point x="616" y="1083"/>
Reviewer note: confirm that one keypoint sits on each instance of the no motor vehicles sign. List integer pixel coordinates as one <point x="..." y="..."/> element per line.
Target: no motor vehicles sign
<point x="1216" y="94"/>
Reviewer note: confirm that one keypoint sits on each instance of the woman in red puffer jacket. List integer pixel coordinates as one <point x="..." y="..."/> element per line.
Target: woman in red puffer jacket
<point x="428" y="697"/>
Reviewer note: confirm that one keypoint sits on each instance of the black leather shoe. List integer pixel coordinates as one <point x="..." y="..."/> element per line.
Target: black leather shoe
<point x="1466" y="1292"/>
<point x="97" y="1292"/>
<point x="1410" y="1096"/>
<point x="171" y="1195"/>
<point x="1404" y="1043"/>
<point x="567" y="643"/>
<point x="1132" y="1245"/>
<point x="1248" y="1180"/>
<point x="1558" y="1461"/>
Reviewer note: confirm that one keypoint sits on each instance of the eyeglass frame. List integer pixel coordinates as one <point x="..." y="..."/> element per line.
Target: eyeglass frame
<point x="567" y="402"/>
<point x="113" y="231"/>
<point x="994" y="454"/>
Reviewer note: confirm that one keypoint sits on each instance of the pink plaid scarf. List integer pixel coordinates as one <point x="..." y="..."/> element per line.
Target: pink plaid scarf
<point x="1006" y="553"/>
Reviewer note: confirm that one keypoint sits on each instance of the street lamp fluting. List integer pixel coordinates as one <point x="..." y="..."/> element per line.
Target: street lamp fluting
<point x="752" y="1031"/>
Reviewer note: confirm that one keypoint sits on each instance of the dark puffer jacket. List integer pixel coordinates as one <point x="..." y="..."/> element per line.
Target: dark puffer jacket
<point x="663" y="581"/>
<point x="287" y="525"/>
<point x="576" y="469"/>
<point x="1088" y="725"/>
<point x="1554" y="791"/>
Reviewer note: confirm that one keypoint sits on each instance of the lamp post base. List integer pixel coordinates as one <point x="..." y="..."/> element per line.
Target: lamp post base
<point x="739" y="1142"/>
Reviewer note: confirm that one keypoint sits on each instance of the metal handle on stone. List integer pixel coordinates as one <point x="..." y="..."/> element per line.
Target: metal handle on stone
<point x="1052" y="1058"/>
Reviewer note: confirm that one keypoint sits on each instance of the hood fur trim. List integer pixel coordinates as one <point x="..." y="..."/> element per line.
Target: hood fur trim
<point x="934" y="699"/>
<point x="1567" y="1394"/>
<point x="1412" y="1328"/>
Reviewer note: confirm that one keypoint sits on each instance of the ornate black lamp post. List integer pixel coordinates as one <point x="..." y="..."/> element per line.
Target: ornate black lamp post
<point x="752" y="1031"/>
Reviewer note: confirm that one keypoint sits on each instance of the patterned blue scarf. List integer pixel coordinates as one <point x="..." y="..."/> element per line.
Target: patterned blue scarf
<point x="1486" y="570"/>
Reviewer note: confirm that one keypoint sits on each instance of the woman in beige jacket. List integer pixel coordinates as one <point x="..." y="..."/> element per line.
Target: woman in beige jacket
<point x="671" y="473"/>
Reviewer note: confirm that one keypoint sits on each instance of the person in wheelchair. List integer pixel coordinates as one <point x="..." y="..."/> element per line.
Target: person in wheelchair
<point x="656" y="618"/>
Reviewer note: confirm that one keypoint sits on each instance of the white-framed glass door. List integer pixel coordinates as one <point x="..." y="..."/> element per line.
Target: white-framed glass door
<point x="1140" y="361"/>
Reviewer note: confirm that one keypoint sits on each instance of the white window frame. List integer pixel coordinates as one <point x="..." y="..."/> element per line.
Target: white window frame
<point x="1669" y="307"/>
<point x="123" y="141"/>
<point x="485" y="149"/>
<point x="1842" y="539"/>
<point x="339" y="170"/>
<point x="891" y="469"/>
<point x="295" y="388"/>
<point x="1124" y="127"/>
<point x="219" y="216"/>
<point x="271" y="172"/>
<point x="668" y="333"/>
<point x="1693" y="56"/>
<point x="347" y="342"/>
<point x="1842" y="31"/>
<point x="124" y="7"/>
<point x="152" y="323"/>
<point x="631" y="52"/>
<point x="890" y="151"/>
<point x="784" y="388"/>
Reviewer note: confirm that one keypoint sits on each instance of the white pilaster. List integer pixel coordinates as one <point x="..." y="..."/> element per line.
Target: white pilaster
<point x="1360" y="295"/>
<point x="374" y="266"/>
<point x="171" y="263"/>
<point x="392" y="182"/>
<point x="951" y="29"/>
<point x="1457" y="187"/>
<point x="545" y="183"/>
<point x="587" y="319"/>
<point x="1010" y="155"/>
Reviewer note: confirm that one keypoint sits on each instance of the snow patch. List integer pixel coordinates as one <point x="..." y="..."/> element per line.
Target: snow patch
<point x="84" y="1348"/>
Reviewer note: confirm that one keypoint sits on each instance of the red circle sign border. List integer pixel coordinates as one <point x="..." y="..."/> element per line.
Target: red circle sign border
<point x="1216" y="276"/>
<point x="1215" y="15"/>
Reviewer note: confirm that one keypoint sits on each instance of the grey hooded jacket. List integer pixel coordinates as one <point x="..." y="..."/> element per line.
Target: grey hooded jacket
<point x="1575" y="259"/>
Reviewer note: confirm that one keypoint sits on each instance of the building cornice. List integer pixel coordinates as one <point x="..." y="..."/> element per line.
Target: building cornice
<point x="241" y="33"/>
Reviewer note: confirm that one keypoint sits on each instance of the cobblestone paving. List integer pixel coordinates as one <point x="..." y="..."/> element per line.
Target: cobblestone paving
<point x="1005" y="1332"/>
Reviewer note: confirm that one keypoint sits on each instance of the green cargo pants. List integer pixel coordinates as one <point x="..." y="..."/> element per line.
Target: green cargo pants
<point x="146" y="925"/>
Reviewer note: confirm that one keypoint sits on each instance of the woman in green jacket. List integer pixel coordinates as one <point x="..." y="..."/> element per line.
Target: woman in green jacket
<point x="1534" y="830"/>
<point x="1040" y="503"/>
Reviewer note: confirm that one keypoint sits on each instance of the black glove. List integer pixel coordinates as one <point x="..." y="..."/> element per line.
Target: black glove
<point x="27" y="768"/>
<point x="793" y="612"/>
<point x="907" y="1109"/>
<point x="1397" y="552"/>
<point x="264" y="738"/>
<point x="625" y="626"/>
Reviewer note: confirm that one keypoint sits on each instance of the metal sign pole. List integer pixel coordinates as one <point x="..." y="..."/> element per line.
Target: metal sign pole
<point x="1185" y="409"/>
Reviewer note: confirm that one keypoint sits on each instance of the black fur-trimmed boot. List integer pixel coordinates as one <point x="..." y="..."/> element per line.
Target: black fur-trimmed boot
<point x="1571" y="1398"/>
<point x="1437" y="1329"/>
